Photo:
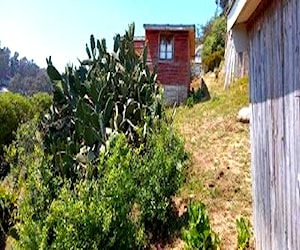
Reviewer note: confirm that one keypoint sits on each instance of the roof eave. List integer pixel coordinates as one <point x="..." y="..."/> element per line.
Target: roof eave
<point x="241" y="11"/>
<point x="173" y="27"/>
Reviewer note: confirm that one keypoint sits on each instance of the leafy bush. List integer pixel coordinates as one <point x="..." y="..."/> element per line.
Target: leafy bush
<point x="244" y="233"/>
<point x="158" y="173"/>
<point x="87" y="214"/>
<point x="190" y="101"/>
<point x="199" y="234"/>
<point x="124" y="196"/>
<point x="14" y="110"/>
<point x="41" y="103"/>
<point x="213" y="60"/>
<point x="7" y="215"/>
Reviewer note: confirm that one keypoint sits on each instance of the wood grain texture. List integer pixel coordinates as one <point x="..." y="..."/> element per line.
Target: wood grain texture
<point x="274" y="61"/>
<point x="236" y="64"/>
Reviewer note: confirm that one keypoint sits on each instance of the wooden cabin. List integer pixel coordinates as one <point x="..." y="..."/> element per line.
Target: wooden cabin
<point x="171" y="49"/>
<point x="236" y="60"/>
<point x="270" y="30"/>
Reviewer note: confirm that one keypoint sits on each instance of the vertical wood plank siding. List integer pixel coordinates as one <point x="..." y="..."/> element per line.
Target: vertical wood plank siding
<point x="274" y="63"/>
<point x="236" y="64"/>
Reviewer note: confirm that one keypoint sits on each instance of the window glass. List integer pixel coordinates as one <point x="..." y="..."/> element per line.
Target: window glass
<point x="162" y="55"/>
<point x="166" y="47"/>
<point x="169" y="55"/>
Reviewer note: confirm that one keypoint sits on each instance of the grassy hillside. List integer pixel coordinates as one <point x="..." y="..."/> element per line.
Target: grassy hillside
<point x="220" y="173"/>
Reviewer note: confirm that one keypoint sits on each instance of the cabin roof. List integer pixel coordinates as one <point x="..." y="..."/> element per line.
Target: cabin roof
<point x="240" y="11"/>
<point x="171" y="27"/>
<point x="139" y="38"/>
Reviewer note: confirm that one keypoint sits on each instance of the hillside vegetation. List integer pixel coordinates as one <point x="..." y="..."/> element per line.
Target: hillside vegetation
<point x="100" y="169"/>
<point x="220" y="174"/>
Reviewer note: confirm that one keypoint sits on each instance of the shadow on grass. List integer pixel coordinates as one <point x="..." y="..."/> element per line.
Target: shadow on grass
<point x="161" y="234"/>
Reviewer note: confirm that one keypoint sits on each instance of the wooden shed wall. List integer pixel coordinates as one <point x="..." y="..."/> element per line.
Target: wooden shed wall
<point x="176" y="71"/>
<point x="274" y="34"/>
<point x="236" y="64"/>
<point x="175" y="75"/>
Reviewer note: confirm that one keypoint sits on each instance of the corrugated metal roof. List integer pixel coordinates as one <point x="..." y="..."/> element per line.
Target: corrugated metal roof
<point x="175" y="27"/>
<point x="139" y="38"/>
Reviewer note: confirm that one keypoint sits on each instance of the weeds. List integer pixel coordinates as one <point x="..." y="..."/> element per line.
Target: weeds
<point x="199" y="234"/>
<point x="220" y="172"/>
<point x="244" y="233"/>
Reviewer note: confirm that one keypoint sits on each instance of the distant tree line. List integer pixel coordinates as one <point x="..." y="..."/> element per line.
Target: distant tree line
<point x="22" y="75"/>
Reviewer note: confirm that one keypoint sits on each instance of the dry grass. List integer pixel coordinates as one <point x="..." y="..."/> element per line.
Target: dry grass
<point x="220" y="174"/>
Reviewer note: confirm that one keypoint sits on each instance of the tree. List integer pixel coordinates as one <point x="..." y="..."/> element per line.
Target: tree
<point x="22" y="75"/>
<point x="4" y="66"/>
<point x="14" y="64"/>
<point x="214" y="43"/>
<point x="205" y="30"/>
<point x="31" y="83"/>
<point x="223" y="4"/>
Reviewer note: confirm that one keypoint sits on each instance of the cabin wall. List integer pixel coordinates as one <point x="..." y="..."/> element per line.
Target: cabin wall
<point x="274" y="35"/>
<point x="236" y="62"/>
<point x="174" y="75"/>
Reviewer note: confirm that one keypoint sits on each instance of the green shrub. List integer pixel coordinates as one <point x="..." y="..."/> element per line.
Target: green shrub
<point x="14" y="110"/>
<point x="244" y="233"/>
<point x="213" y="60"/>
<point x="21" y="151"/>
<point x="88" y="214"/>
<point x="41" y="103"/>
<point x="190" y="101"/>
<point x="199" y="234"/>
<point x="8" y="212"/>
<point x="158" y="173"/>
<point x="124" y="196"/>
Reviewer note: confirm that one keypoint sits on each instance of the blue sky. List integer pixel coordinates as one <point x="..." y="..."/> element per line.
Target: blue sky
<point x="61" y="28"/>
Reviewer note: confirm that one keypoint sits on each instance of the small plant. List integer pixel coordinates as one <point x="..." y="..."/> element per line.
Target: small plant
<point x="199" y="234"/>
<point x="244" y="233"/>
<point x="190" y="101"/>
<point x="200" y="95"/>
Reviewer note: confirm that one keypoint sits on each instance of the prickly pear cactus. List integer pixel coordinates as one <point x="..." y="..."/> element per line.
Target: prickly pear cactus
<point x="108" y="92"/>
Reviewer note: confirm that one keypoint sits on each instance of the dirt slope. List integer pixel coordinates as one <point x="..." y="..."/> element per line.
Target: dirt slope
<point x="220" y="173"/>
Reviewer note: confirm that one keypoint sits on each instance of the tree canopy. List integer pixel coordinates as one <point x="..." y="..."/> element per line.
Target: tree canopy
<point x="22" y="75"/>
<point x="213" y="39"/>
<point x="223" y="4"/>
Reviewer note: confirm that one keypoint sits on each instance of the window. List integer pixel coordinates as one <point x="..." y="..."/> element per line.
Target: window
<point x="166" y="47"/>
